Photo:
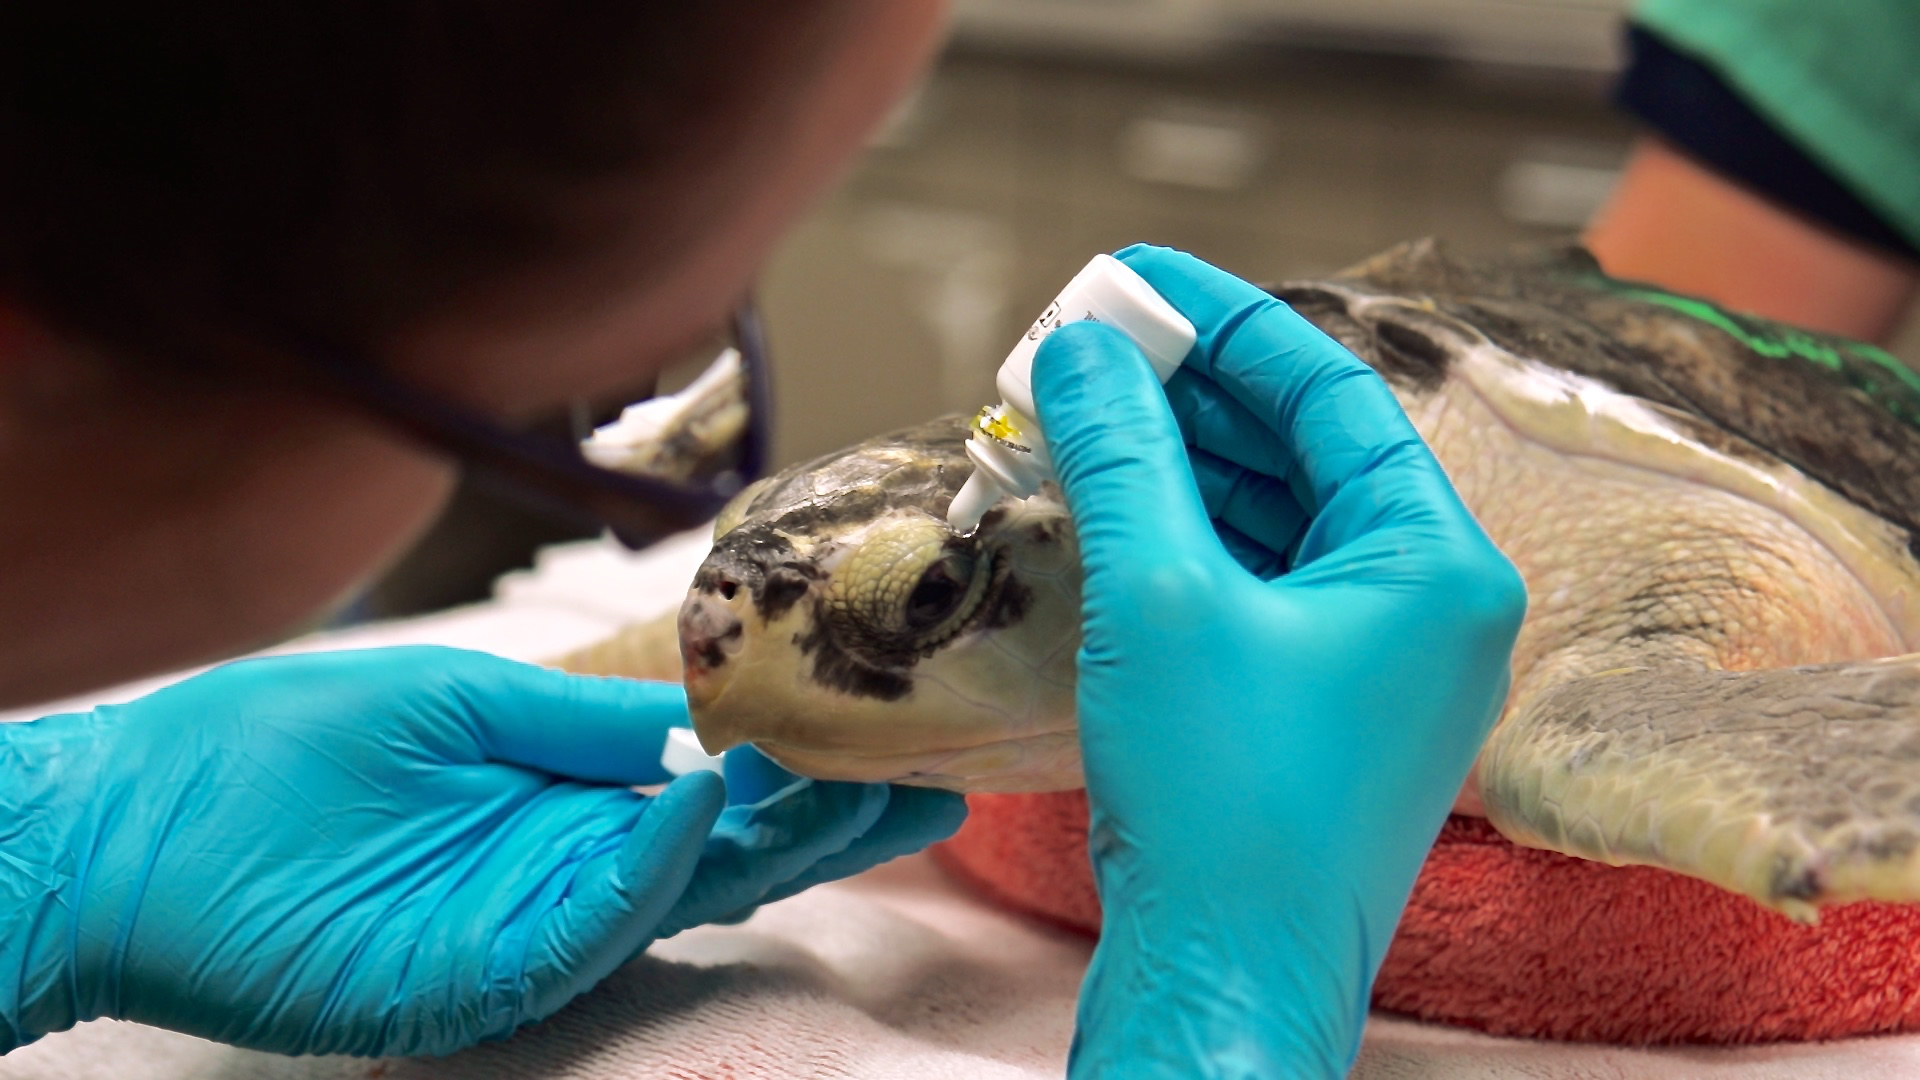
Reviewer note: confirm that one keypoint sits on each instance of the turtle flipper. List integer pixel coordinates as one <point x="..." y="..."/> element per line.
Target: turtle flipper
<point x="1797" y="787"/>
<point x="648" y="649"/>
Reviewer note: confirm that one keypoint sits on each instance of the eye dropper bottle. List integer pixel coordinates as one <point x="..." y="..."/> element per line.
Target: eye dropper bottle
<point x="1008" y="451"/>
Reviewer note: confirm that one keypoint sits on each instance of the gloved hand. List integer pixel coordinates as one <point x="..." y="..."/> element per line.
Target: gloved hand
<point x="396" y="851"/>
<point x="1296" y="638"/>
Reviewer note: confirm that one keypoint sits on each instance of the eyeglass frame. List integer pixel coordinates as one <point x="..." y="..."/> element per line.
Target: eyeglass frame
<point x="552" y="476"/>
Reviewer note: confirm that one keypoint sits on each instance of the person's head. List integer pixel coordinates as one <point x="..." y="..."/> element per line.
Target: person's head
<point x="512" y="203"/>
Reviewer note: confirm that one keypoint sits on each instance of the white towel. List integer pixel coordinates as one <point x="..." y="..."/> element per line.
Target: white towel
<point x="898" y="974"/>
<point x="895" y="975"/>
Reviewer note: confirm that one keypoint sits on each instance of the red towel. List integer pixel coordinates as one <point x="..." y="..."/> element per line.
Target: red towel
<point x="1515" y="941"/>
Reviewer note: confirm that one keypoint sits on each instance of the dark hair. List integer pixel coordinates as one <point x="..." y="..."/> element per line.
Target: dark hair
<point x="339" y="166"/>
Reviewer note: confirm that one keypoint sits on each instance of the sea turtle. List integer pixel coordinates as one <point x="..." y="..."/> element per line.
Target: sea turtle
<point x="1717" y="519"/>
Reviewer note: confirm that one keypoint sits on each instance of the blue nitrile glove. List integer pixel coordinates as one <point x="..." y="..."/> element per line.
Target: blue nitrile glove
<point x="1267" y="761"/>
<point x="395" y="851"/>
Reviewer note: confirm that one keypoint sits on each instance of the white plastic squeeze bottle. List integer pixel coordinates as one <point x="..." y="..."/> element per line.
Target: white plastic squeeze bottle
<point x="1008" y="451"/>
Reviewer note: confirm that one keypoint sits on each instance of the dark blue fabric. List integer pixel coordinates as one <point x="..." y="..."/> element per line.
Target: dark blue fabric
<point x="1693" y="108"/>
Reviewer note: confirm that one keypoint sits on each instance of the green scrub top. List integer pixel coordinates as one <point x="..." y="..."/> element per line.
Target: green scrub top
<point x="1841" y="78"/>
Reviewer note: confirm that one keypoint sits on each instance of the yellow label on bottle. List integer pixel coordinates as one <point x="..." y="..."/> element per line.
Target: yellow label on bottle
<point x="997" y="426"/>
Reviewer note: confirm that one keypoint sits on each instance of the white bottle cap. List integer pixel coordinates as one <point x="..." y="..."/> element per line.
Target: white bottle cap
<point x="1105" y="290"/>
<point x="683" y="754"/>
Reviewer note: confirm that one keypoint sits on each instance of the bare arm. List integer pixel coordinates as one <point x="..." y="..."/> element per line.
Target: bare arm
<point x="1672" y="222"/>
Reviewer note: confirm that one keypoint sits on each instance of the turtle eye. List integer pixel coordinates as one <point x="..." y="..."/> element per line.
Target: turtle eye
<point x="907" y="585"/>
<point x="939" y="592"/>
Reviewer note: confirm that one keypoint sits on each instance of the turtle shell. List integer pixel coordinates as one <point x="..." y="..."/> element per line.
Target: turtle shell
<point x="1844" y="413"/>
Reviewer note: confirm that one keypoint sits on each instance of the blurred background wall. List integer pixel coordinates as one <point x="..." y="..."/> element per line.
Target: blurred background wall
<point x="1273" y="138"/>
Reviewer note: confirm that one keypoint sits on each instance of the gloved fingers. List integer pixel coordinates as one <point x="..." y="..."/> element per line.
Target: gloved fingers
<point x="1400" y="507"/>
<point x="915" y="818"/>
<point x="617" y="902"/>
<point x="1253" y="556"/>
<point x="752" y="776"/>
<point x="601" y="730"/>
<point x="754" y="848"/>
<point x="1211" y="420"/>
<point x="1259" y="507"/>
<point x="1122" y="463"/>
<point x="1338" y="417"/>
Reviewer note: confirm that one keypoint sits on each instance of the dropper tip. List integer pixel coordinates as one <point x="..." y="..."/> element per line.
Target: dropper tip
<point x="976" y="496"/>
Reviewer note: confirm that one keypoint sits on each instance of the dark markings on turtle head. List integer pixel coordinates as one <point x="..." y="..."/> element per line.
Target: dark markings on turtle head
<point x="819" y="516"/>
<point x="1049" y="532"/>
<point x="756" y="558"/>
<point x="723" y="575"/>
<point x="837" y="669"/>
<point x="784" y="586"/>
<point x="1009" y="606"/>
<point x="921" y="466"/>
<point x="711" y="653"/>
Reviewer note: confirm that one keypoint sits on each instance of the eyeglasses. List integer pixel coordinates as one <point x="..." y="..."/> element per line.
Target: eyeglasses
<point x="554" y="476"/>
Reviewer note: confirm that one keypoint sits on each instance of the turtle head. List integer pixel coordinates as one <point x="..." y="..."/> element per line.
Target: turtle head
<point x="842" y="627"/>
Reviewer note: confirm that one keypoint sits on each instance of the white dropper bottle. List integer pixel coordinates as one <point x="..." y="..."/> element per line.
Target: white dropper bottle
<point x="1008" y="451"/>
